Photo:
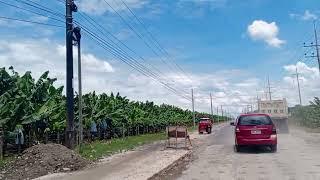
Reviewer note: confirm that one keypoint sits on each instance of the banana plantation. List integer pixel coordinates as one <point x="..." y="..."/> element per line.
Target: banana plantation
<point x="36" y="109"/>
<point x="308" y="116"/>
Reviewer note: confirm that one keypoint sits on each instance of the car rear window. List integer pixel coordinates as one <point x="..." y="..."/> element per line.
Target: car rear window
<point x="254" y="120"/>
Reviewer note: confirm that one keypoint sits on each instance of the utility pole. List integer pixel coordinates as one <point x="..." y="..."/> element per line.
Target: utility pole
<point x="316" y="45"/>
<point x="77" y="39"/>
<point x="298" y="82"/>
<point x="211" y="105"/>
<point x="269" y="89"/>
<point x="218" y="113"/>
<point x="221" y="113"/>
<point x="70" y="133"/>
<point x="193" y="115"/>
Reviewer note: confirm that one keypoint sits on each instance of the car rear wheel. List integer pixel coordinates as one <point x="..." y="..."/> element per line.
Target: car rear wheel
<point x="237" y="148"/>
<point x="273" y="148"/>
<point x="209" y="130"/>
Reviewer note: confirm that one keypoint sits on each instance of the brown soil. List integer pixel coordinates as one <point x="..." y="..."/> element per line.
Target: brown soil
<point x="43" y="159"/>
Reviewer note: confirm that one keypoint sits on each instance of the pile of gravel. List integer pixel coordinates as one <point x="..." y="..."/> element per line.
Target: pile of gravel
<point x="43" y="159"/>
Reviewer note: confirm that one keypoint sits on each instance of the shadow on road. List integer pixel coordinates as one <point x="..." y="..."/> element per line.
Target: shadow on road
<point x="255" y="150"/>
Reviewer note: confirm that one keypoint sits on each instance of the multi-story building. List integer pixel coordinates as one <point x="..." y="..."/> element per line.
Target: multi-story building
<point x="275" y="108"/>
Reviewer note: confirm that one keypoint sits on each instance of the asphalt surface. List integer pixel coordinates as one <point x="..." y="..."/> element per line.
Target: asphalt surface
<point x="298" y="157"/>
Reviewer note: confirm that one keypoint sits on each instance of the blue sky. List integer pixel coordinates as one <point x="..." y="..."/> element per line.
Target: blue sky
<point x="226" y="47"/>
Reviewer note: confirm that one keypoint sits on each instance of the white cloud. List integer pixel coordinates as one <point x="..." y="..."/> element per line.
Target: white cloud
<point x="305" y="17"/>
<point x="268" y="32"/>
<point x="309" y="83"/>
<point x="42" y="55"/>
<point x="99" y="7"/>
<point x="232" y="88"/>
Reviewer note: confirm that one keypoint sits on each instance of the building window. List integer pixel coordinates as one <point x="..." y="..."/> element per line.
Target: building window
<point x="263" y="111"/>
<point x="281" y="111"/>
<point x="275" y="111"/>
<point x="269" y="111"/>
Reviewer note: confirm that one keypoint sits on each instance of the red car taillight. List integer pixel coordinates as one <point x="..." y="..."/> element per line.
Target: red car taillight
<point x="274" y="130"/>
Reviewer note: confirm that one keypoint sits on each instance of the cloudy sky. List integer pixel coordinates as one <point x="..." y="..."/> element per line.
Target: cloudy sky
<point x="223" y="47"/>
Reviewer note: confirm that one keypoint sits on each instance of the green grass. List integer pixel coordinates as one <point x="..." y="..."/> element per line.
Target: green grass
<point x="192" y="128"/>
<point x="98" y="149"/>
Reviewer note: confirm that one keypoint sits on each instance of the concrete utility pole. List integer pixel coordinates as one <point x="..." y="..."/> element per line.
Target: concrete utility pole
<point x="221" y="112"/>
<point x="218" y="113"/>
<point x="211" y="105"/>
<point x="298" y="82"/>
<point x="77" y="39"/>
<point x="269" y="89"/>
<point x="70" y="133"/>
<point x="193" y="115"/>
<point x="315" y="45"/>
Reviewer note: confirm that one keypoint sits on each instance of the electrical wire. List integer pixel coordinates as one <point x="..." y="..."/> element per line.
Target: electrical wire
<point x="31" y="11"/>
<point x="102" y="44"/>
<point x="28" y="21"/>
<point x="48" y="10"/>
<point x="155" y="41"/>
<point x="140" y="36"/>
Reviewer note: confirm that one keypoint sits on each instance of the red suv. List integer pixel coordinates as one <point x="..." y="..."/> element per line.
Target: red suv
<point x="255" y="129"/>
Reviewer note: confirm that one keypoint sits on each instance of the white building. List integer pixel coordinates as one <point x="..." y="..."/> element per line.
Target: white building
<point x="275" y="108"/>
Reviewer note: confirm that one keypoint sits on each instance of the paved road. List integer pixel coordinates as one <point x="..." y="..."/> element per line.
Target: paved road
<point x="298" y="157"/>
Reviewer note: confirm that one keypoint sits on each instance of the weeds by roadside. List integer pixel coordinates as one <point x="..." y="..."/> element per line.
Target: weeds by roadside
<point x="98" y="149"/>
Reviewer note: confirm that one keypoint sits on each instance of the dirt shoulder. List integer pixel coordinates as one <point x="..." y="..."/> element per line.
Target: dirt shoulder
<point x="139" y="164"/>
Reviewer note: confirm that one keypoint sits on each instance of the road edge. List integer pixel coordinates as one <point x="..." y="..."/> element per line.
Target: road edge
<point x="170" y="166"/>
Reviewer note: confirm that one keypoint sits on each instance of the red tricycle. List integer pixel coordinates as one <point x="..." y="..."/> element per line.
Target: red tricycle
<point x="205" y="125"/>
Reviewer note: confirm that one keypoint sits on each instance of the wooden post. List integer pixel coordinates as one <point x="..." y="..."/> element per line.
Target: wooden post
<point x="185" y="138"/>
<point x="176" y="137"/>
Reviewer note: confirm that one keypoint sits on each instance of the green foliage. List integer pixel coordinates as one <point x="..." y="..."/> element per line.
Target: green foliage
<point x="308" y="116"/>
<point x="39" y="107"/>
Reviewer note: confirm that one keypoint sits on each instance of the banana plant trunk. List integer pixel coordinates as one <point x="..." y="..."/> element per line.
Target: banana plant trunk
<point x="1" y="143"/>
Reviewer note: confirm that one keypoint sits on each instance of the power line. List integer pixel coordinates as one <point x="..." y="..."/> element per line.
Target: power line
<point x="315" y="45"/>
<point x="130" y="58"/>
<point x="28" y="21"/>
<point x="41" y="7"/>
<point x="156" y="42"/>
<point x="105" y="46"/>
<point x="99" y="27"/>
<point x="31" y="11"/>
<point x="46" y="9"/>
<point x="139" y="36"/>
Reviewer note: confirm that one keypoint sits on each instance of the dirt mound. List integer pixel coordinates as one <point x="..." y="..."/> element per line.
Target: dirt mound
<point x="43" y="159"/>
